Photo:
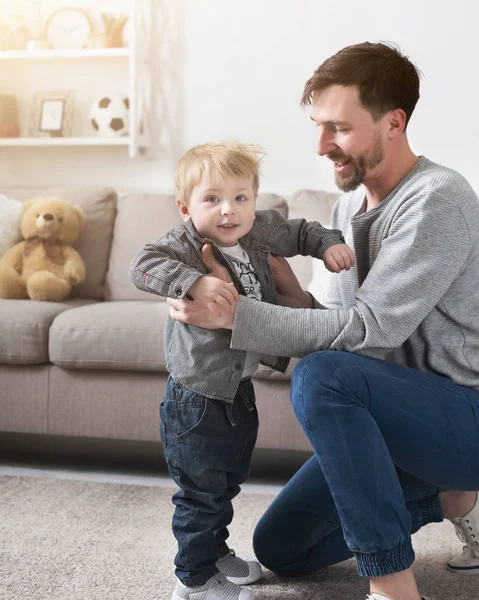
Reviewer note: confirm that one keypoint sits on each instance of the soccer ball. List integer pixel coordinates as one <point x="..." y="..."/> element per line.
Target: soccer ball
<point x="109" y="115"/>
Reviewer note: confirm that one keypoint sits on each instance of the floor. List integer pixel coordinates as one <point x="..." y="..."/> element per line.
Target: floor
<point x="109" y="477"/>
<point x="263" y="479"/>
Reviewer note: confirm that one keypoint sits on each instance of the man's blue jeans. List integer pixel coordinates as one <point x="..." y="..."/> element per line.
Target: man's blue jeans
<point x="208" y="445"/>
<point x="386" y="439"/>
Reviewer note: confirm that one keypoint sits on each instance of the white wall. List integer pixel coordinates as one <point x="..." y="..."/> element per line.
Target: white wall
<point x="229" y="68"/>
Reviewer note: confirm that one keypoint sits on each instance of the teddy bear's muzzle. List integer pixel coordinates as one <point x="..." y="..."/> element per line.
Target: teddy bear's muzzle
<point x="46" y="223"/>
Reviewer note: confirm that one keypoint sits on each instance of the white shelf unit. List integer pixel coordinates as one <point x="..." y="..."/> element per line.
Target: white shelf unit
<point x="62" y="54"/>
<point x="139" y="73"/>
<point x="71" y="141"/>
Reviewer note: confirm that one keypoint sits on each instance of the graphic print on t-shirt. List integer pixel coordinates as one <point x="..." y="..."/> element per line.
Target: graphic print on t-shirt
<point x="240" y="261"/>
<point x="248" y="278"/>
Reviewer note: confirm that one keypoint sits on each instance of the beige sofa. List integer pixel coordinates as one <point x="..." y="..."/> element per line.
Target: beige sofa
<point x="93" y="367"/>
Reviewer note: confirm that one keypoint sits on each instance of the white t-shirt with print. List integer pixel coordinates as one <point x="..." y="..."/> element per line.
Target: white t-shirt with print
<point x="252" y="287"/>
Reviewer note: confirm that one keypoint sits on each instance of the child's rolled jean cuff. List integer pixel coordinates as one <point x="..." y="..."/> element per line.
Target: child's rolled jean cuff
<point x="385" y="562"/>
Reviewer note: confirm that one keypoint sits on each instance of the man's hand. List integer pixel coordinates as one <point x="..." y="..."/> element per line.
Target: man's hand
<point x="205" y="312"/>
<point x="197" y="313"/>
<point x="290" y="292"/>
<point x="338" y="257"/>
<point x="214" y="267"/>
<point x="214" y="293"/>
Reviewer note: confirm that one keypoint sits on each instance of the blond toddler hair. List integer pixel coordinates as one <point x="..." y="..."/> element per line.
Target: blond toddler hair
<point x="216" y="160"/>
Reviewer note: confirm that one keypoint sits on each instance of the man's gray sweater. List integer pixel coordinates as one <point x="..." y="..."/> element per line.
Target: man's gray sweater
<point x="413" y="296"/>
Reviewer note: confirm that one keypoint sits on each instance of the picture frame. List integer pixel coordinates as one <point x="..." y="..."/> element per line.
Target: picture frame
<point x="52" y="114"/>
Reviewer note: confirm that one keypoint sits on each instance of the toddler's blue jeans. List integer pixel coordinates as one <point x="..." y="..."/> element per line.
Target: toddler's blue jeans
<point x="387" y="439"/>
<point x="208" y="445"/>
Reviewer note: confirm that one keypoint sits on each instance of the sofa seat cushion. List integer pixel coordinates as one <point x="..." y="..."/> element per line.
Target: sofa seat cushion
<point x="123" y="335"/>
<point x="24" y="327"/>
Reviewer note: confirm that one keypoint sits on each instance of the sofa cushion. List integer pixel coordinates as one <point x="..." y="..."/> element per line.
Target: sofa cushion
<point x="140" y="218"/>
<point x="94" y="242"/>
<point x="272" y="201"/>
<point x="124" y="335"/>
<point x="143" y="218"/>
<point x="10" y="214"/>
<point x="270" y="374"/>
<point x="24" y="327"/>
<point x="312" y="206"/>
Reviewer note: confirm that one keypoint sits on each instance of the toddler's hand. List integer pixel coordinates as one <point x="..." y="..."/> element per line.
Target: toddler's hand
<point x="214" y="292"/>
<point x="338" y="257"/>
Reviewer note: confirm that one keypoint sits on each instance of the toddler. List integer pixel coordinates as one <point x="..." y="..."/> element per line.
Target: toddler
<point x="208" y="420"/>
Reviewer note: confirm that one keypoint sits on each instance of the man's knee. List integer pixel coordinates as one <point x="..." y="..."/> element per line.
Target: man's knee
<point x="269" y="550"/>
<point x="316" y="364"/>
<point x="261" y="546"/>
<point x="320" y="372"/>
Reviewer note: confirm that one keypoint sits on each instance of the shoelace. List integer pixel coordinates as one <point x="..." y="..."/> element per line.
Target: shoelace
<point x="466" y="538"/>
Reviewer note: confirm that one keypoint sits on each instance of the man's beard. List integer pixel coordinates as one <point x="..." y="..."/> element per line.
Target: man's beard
<point x="366" y="161"/>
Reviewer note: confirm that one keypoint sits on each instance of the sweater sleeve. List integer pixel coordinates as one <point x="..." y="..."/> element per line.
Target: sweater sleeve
<point x="426" y="248"/>
<point x="166" y="267"/>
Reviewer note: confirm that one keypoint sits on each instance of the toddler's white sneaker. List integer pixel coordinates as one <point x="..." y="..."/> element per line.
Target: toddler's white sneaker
<point x="216" y="588"/>
<point x="237" y="570"/>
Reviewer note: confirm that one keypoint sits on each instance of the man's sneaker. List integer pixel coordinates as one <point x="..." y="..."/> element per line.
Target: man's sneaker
<point x="237" y="570"/>
<point x="467" y="530"/>
<point x="381" y="597"/>
<point x="216" y="588"/>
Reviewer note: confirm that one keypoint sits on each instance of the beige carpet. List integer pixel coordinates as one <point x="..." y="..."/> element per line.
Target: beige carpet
<point x="73" y="540"/>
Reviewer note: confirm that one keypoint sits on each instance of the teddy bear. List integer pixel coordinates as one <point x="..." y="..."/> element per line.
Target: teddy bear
<point x="44" y="266"/>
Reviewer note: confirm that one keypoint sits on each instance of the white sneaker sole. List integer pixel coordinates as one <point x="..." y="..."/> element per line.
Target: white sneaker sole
<point x="243" y="580"/>
<point x="243" y="595"/>
<point x="463" y="570"/>
<point x="255" y="574"/>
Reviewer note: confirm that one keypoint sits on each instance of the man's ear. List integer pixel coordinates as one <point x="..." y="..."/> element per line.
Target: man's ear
<point x="396" y="122"/>
<point x="184" y="212"/>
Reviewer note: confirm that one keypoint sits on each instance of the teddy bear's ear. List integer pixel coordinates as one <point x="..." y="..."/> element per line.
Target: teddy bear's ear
<point x="28" y="204"/>
<point x="80" y="216"/>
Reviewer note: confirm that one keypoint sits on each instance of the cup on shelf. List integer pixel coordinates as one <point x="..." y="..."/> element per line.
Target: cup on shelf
<point x="33" y="45"/>
<point x="96" y="40"/>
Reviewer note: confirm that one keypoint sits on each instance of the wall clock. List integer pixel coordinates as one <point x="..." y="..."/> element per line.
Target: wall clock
<point x="68" y="29"/>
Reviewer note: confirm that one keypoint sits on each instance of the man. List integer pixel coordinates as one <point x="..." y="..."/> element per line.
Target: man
<point x="388" y="393"/>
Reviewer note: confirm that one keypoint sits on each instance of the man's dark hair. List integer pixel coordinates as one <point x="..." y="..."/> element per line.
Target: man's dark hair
<point x="386" y="79"/>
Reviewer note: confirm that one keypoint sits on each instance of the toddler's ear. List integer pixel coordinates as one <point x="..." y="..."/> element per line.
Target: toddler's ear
<point x="184" y="212"/>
